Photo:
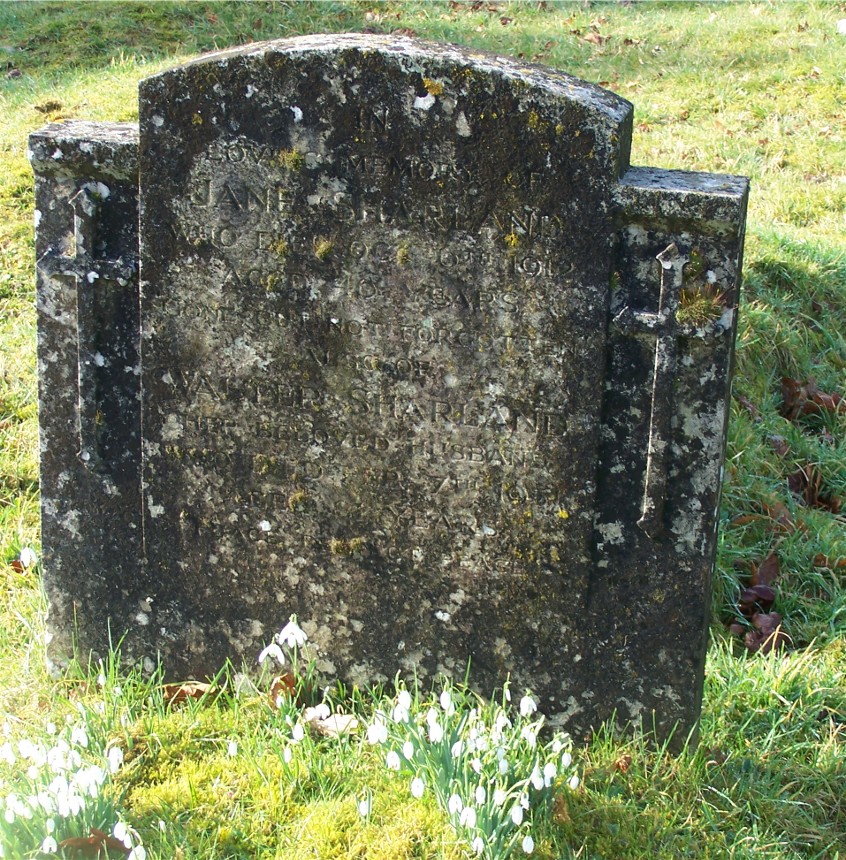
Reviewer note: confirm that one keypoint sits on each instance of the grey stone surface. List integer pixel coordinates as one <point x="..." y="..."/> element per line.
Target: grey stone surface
<point x="427" y="363"/>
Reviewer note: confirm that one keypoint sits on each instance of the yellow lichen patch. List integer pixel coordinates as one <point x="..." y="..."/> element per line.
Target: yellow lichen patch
<point x="535" y="122"/>
<point x="197" y="119"/>
<point x="290" y="159"/>
<point x="296" y="500"/>
<point x="280" y="247"/>
<point x="434" y="88"/>
<point x="512" y="240"/>
<point x="322" y="247"/>
<point x="402" y="255"/>
<point x="563" y="515"/>
<point x="340" y="546"/>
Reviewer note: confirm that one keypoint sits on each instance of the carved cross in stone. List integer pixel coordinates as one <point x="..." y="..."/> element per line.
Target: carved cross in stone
<point x="663" y="325"/>
<point x="91" y="274"/>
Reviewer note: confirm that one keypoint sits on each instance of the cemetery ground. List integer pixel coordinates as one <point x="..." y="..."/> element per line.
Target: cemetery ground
<point x="238" y="769"/>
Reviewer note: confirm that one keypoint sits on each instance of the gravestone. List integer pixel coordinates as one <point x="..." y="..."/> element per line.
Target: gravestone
<point x="414" y="353"/>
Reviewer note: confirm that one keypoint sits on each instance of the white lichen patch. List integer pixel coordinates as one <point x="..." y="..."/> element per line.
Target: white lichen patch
<point x="611" y="532"/>
<point x="424" y="102"/>
<point x="154" y="509"/>
<point x="172" y="429"/>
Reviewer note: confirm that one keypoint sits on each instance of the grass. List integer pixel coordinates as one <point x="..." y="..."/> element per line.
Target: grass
<point x="754" y="89"/>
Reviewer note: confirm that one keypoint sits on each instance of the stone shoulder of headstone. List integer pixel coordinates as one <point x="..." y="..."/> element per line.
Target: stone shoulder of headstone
<point x="79" y="148"/>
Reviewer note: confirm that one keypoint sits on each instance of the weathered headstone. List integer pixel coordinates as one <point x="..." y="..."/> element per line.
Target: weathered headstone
<point x="423" y="360"/>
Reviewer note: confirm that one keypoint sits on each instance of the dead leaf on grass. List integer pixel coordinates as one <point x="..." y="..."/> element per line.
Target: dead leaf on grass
<point x="96" y="844"/>
<point x="329" y="725"/>
<point x="804" y="398"/>
<point x="767" y="634"/>
<point x="180" y="692"/>
<point x="807" y="483"/>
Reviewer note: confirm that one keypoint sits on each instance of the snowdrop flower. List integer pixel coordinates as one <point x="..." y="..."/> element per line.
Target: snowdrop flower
<point x="287" y="755"/>
<point x="566" y="760"/>
<point x="478" y="845"/>
<point x="502" y="766"/>
<point x="446" y="702"/>
<point x="404" y="699"/>
<point x="297" y="733"/>
<point x="476" y="764"/>
<point x="517" y="815"/>
<point x="49" y="846"/>
<point x="377" y="731"/>
<point x="137" y="853"/>
<point x="392" y="761"/>
<point x="468" y="817"/>
<point x="574" y="782"/>
<point x="528" y="845"/>
<point x="499" y="797"/>
<point x="457" y="749"/>
<point x="400" y="714"/>
<point x="507" y="694"/>
<point x="550" y="771"/>
<point x="455" y="804"/>
<point x="272" y="650"/>
<point x="524" y="801"/>
<point x="115" y="757"/>
<point x="79" y="737"/>
<point x="431" y="716"/>
<point x="536" y="779"/>
<point x="232" y="749"/>
<point x="528" y="734"/>
<point x="122" y="834"/>
<point x="101" y="680"/>
<point x="436" y="732"/>
<point x="365" y="806"/>
<point x="7" y="754"/>
<point x="292" y="635"/>
<point x="27" y="557"/>
<point x="527" y="706"/>
<point x="417" y="787"/>
<point x="408" y="750"/>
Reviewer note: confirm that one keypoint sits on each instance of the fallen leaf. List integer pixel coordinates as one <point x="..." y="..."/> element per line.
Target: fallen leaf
<point x="179" y="693"/>
<point x="804" y="398"/>
<point x="405" y="31"/>
<point x="50" y="106"/>
<point x="821" y="560"/>
<point x="17" y="566"/>
<point x="505" y="20"/>
<point x="282" y="686"/>
<point x="779" y="444"/>
<point x="807" y="483"/>
<point x="596" y="38"/>
<point x="749" y="406"/>
<point x="623" y="763"/>
<point x="766" y="572"/>
<point x="560" y="809"/>
<point x="96" y="844"/>
<point x="767" y="635"/>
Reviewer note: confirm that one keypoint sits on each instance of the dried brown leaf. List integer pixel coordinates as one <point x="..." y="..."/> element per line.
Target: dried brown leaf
<point x="623" y="763"/>
<point x="96" y="844"/>
<point x="180" y="692"/>
<point x="767" y="571"/>
<point x="767" y="635"/>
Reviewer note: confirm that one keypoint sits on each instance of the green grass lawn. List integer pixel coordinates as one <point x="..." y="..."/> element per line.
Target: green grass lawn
<point x="754" y="89"/>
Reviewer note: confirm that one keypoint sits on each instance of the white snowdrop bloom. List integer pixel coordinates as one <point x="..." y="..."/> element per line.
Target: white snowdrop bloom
<point x="499" y="796"/>
<point x="468" y="817"/>
<point x="524" y="801"/>
<point x="79" y="737"/>
<point x="408" y="750"/>
<point x="287" y="755"/>
<point x="478" y="845"/>
<point x="49" y="846"/>
<point x="51" y="728"/>
<point x="457" y="749"/>
<point x="137" y="853"/>
<point x="417" y="787"/>
<point x="432" y="716"/>
<point x="117" y="692"/>
<point x="455" y="804"/>
<point x="446" y="702"/>
<point x="536" y="779"/>
<point x="50" y="825"/>
<point x="392" y="761"/>
<point x="507" y="694"/>
<point x="476" y="764"/>
<point x="9" y="815"/>
<point x="292" y="635"/>
<point x="76" y="803"/>
<point x="26" y="748"/>
<point x="377" y="732"/>
<point x="115" y="756"/>
<point x="404" y="699"/>
<point x="298" y="733"/>
<point x="574" y="782"/>
<point x="32" y="772"/>
<point x="365" y="806"/>
<point x="101" y="680"/>
<point x="502" y="723"/>
<point x="480" y="794"/>
<point x="528" y="845"/>
<point x="27" y="557"/>
<point x="550" y="771"/>
<point x="272" y="650"/>
<point x="527" y="706"/>
<point x="566" y="760"/>
<point x="7" y="754"/>
<point x="528" y="735"/>
<point x="557" y="746"/>
<point x="46" y="802"/>
<point x="400" y="714"/>
<point x="517" y="815"/>
<point x="122" y="834"/>
<point x="232" y="749"/>
<point x="436" y="732"/>
<point x="502" y="766"/>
